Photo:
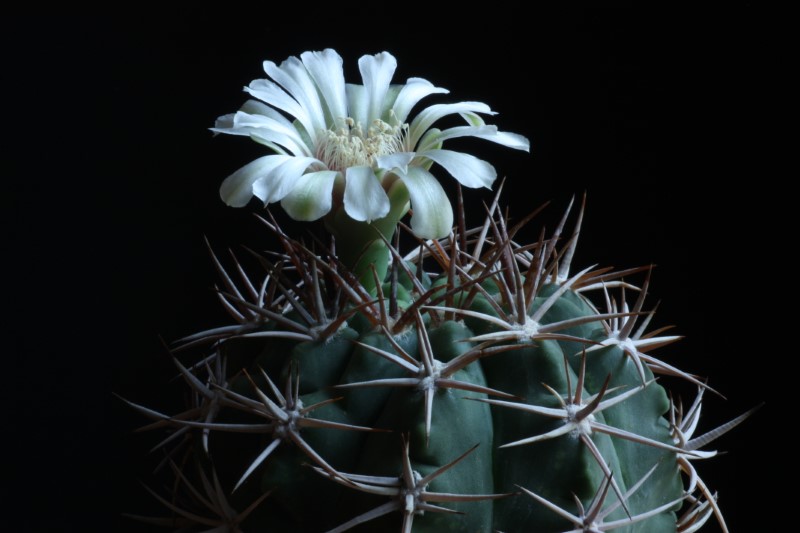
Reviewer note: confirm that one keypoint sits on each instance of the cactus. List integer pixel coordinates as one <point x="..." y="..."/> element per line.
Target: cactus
<point x="453" y="379"/>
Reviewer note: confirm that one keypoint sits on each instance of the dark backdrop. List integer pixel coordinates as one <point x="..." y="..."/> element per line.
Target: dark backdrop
<point x="659" y="116"/>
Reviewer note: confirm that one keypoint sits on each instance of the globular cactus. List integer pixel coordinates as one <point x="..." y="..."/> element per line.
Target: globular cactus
<point x="461" y="381"/>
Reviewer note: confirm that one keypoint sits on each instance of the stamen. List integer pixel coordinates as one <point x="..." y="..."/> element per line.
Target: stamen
<point x="349" y="147"/>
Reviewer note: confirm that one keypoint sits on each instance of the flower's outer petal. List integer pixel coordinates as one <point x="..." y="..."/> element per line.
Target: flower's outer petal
<point x="295" y="79"/>
<point x="225" y="122"/>
<point x="412" y="92"/>
<point x="434" y="138"/>
<point x="259" y="124"/>
<point x="254" y="107"/>
<point x="433" y="214"/>
<point x="271" y="93"/>
<point x="364" y="197"/>
<point x="426" y="118"/>
<point x="376" y="72"/>
<point x="237" y="189"/>
<point x="489" y="133"/>
<point x="511" y="140"/>
<point x="326" y="69"/>
<point x="467" y="169"/>
<point x="311" y="197"/>
<point x="282" y="180"/>
<point x="266" y="129"/>
<point x="399" y="160"/>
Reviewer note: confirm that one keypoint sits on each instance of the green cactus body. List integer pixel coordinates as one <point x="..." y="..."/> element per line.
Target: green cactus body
<point x="440" y="369"/>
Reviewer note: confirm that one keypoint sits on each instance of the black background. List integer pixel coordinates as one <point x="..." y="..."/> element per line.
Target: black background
<point x="663" y="118"/>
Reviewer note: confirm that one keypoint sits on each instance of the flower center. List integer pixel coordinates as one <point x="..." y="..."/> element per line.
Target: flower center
<point x="350" y="147"/>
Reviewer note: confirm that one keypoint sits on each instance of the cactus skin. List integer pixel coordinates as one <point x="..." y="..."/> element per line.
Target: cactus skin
<point x="438" y="371"/>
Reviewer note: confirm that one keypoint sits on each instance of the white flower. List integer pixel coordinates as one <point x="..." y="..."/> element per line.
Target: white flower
<point x="328" y="135"/>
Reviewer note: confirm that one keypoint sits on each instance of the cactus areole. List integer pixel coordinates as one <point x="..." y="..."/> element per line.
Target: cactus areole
<point x="467" y="382"/>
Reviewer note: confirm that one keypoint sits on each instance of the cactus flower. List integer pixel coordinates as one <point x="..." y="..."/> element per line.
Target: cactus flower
<point x="338" y="143"/>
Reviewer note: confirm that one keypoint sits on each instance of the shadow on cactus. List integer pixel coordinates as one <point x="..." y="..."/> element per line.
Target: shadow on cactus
<point x="466" y="382"/>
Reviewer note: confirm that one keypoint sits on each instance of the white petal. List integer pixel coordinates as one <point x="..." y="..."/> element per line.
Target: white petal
<point x="508" y="139"/>
<point x="511" y="140"/>
<point x="294" y="77"/>
<point x="225" y="122"/>
<point x="326" y="69"/>
<point x="364" y="198"/>
<point x="412" y="92"/>
<point x="376" y="72"/>
<point x="282" y="180"/>
<point x="467" y="169"/>
<point x="429" y="115"/>
<point x="388" y="103"/>
<point x="261" y="124"/>
<point x="265" y="129"/>
<point x="311" y="197"/>
<point x="357" y="102"/>
<point x="473" y="120"/>
<point x="399" y="160"/>
<point x="434" y="138"/>
<point x="254" y="107"/>
<point x="255" y="114"/>
<point x="273" y="95"/>
<point x="433" y="214"/>
<point x="237" y="189"/>
<point x="489" y="133"/>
